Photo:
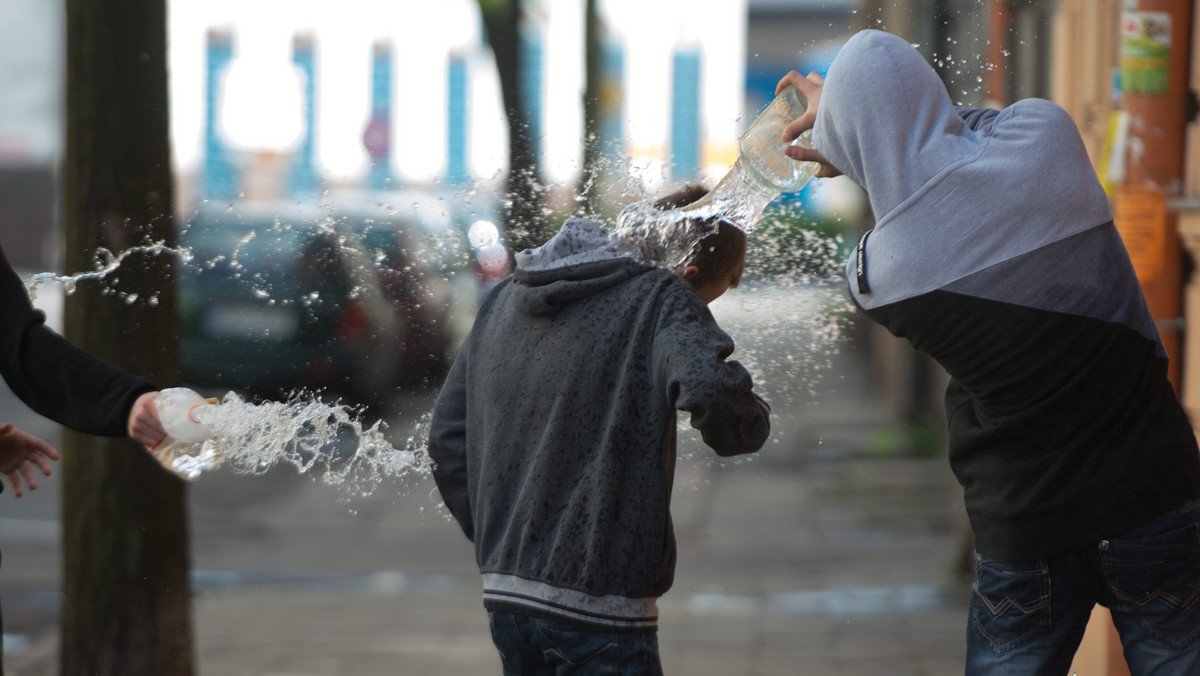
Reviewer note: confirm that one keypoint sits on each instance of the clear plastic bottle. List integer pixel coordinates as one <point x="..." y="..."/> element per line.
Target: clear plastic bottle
<point x="761" y="173"/>
<point x="762" y="170"/>
<point x="762" y="147"/>
<point x="188" y="449"/>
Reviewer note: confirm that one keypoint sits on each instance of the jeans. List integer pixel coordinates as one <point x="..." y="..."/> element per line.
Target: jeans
<point x="532" y="647"/>
<point x="1028" y="618"/>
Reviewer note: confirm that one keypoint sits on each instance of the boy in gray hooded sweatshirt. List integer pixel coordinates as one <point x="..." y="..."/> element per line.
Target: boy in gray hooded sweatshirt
<point x="553" y="440"/>
<point x="995" y="253"/>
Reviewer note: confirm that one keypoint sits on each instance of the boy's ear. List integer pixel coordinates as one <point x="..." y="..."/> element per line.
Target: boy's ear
<point x="690" y="272"/>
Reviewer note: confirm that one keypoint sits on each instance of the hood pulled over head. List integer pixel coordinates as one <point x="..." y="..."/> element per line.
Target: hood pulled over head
<point x="581" y="260"/>
<point x="955" y="190"/>
<point x="886" y="120"/>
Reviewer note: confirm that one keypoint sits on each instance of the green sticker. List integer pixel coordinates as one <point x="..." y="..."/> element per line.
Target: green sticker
<point x="1145" y="52"/>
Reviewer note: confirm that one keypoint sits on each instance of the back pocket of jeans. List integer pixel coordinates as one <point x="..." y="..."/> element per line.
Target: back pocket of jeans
<point x="566" y="646"/>
<point x="1157" y="579"/>
<point x="1012" y="602"/>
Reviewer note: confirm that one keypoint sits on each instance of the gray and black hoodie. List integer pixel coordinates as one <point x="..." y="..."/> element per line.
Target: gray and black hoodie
<point x="994" y="252"/>
<point x="553" y="437"/>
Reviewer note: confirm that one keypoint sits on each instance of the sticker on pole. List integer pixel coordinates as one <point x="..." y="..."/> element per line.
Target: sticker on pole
<point x="1145" y="52"/>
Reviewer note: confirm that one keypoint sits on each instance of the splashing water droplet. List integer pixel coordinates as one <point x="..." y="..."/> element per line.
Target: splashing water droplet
<point x="310" y="435"/>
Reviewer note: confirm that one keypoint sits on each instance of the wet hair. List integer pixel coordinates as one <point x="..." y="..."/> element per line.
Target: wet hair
<point x="720" y="255"/>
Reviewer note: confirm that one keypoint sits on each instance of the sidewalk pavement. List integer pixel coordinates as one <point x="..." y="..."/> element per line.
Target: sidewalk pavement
<point x="816" y="557"/>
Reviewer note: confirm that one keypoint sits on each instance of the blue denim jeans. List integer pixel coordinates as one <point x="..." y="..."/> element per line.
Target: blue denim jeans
<point x="1028" y="618"/>
<point x="532" y="647"/>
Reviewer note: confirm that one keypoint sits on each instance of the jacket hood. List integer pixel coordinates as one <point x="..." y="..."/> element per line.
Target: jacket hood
<point x="954" y="190"/>
<point x="581" y="260"/>
<point x="886" y="120"/>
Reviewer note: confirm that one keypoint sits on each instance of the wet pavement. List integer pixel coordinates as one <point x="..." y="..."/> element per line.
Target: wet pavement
<point x="820" y="556"/>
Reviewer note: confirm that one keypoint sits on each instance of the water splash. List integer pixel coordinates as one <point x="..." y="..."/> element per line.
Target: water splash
<point x="332" y="443"/>
<point x="668" y="237"/>
<point x="313" y="436"/>
<point x="106" y="264"/>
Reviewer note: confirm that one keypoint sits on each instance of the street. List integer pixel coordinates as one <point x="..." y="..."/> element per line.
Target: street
<point x="819" y="555"/>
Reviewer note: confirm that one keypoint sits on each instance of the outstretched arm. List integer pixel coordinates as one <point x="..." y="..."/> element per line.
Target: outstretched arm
<point x="811" y="87"/>
<point x="54" y="377"/>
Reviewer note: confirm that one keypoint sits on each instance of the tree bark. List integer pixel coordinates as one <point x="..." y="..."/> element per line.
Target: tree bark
<point x="526" y="225"/>
<point x="593" y="57"/>
<point x="126" y="599"/>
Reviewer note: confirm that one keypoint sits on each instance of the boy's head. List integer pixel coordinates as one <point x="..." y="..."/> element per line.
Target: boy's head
<point x="718" y="259"/>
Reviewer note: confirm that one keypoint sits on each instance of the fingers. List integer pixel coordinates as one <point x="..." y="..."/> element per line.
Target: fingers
<point x="149" y="426"/>
<point x="793" y="79"/>
<point x="805" y="83"/>
<point x="802" y="154"/>
<point x="42" y="450"/>
<point x="15" y="480"/>
<point x="42" y="463"/>
<point x="21" y="455"/>
<point x="37" y="450"/>
<point x="810" y="86"/>
<point x="798" y="127"/>
<point x="144" y="425"/>
<point x="30" y="476"/>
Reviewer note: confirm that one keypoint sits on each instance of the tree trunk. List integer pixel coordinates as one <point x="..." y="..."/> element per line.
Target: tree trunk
<point x="526" y="225"/>
<point x="588" y="182"/>
<point x="126" y="599"/>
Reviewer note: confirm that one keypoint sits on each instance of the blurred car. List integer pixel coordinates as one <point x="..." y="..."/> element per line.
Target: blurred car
<point x="281" y="297"/>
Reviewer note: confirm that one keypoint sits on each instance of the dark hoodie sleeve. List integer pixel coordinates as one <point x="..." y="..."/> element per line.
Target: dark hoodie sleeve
<point x="448" y="444"/>
<point x="55" y="378"/>
<point x="691" y="352"/>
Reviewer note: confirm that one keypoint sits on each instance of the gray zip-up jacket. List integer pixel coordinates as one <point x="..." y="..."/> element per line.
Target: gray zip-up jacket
<point x="994" y="252"/>
<point x="553" y="438"/>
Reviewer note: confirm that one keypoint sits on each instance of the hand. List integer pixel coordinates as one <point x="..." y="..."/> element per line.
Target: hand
<point x="811" y="87"/>
<point x="144" y="425"/>
<point x="19" y="452"/>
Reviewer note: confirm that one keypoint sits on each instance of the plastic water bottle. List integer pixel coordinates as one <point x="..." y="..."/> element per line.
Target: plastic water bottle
<point x="761" y="173"/>
<point x="762" y="146"/>
<point x="188" y="449"/>
<point x="762" y="170"/>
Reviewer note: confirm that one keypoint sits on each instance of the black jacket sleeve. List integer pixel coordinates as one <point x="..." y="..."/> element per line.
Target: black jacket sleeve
<point x="692" y="352"/>
<point x="448" y="444"/>
<point x="55" y="378"/>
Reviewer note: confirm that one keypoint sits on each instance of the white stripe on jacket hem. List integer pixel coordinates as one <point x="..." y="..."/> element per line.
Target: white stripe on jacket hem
<point x="617" y="612"/>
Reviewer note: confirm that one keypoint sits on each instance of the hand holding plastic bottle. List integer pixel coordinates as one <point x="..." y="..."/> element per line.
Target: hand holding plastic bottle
<point x="144" y="425"/>
<point x="811" y="87"/>
<point x="186" y="449"/>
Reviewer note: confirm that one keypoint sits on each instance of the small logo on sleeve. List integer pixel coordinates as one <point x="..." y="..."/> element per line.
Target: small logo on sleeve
<point x="860" y="263"/>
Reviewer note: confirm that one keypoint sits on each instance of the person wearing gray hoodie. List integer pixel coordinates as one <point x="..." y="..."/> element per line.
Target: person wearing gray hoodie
<point x="994" y="251"/>
<point x="553" y="441"/>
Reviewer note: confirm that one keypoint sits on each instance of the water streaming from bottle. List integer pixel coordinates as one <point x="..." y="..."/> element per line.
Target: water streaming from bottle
<point x="329" y="440"/>
<point x="760" y="174"/>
